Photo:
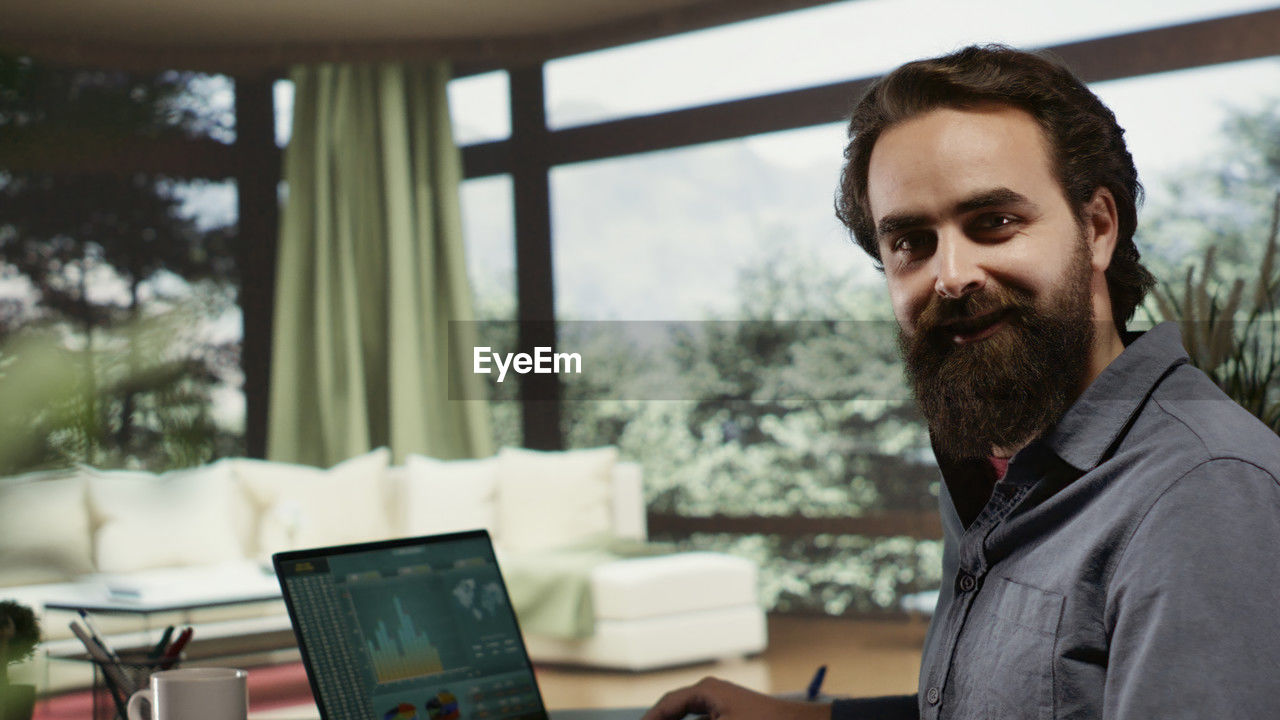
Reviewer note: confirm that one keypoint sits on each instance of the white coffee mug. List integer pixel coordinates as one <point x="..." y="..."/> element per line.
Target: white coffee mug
<point x="194" y="694"/>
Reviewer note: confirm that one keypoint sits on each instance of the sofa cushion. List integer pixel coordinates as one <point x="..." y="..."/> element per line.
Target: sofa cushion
<point x="661" y="641"/>
<point x="643" y="587"/>
<point x="439" y="496"/>
<point x="301" y="506"/>
<point x="44" y="529"/>
<point x="185" y="517"/>
<point x="554" y="499"/>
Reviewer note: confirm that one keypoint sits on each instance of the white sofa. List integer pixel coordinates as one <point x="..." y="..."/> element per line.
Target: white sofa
<point x="75" y="534"/>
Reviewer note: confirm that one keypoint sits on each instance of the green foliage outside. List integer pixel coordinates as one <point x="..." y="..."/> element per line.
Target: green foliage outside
<point x="1231" y="333"/>
<point x="94" y="254"/>
<point x="59" y="398"/>
<point x="793" y="405"/>
<point x="783" y="410"/>
<point x="833" y="574"/>
<point x="1224" y="202"/>
<point x="496" y="330"/>
<point x="1214" y="248"/>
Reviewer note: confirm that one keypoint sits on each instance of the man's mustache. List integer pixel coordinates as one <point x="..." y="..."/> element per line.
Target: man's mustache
<point x="946" y="316"/>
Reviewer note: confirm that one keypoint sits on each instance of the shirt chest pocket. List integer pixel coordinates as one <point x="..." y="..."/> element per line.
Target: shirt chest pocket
<point x="1005" y="669"/>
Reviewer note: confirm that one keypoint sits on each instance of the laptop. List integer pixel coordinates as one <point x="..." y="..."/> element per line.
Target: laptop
<point x="412" y="629"/>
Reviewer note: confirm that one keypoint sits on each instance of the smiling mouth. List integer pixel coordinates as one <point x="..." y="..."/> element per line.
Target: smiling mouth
<point x="976" y="329"/>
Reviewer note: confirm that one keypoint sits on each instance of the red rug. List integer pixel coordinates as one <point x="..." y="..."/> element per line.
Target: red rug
<point x="270" y="687"/>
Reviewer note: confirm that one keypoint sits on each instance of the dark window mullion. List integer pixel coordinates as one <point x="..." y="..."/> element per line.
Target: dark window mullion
<point x="257" y="177"/>
<point x="540" y="394"/>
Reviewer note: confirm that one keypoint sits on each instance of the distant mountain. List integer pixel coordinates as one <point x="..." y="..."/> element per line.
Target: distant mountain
<point x="666" y="235"/>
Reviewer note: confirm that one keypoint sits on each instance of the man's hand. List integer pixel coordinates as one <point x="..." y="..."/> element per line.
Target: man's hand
<point x="721" y="700"/>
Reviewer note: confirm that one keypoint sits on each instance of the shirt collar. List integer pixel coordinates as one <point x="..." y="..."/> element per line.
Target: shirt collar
<point x="1092" y="425"/>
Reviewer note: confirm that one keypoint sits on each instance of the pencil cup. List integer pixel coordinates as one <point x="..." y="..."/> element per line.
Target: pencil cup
<point x="112" y="682"/>
<point x="194" y="694"/>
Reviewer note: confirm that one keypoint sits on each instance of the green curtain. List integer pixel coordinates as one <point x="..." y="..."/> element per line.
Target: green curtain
<point x="371" y="272"/>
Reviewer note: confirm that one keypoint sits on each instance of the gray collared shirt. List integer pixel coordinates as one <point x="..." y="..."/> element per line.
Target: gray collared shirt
<point x="1126" y="566"/>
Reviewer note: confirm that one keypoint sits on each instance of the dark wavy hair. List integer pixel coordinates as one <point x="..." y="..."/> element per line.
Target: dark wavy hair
<point x="1087" y="144"/>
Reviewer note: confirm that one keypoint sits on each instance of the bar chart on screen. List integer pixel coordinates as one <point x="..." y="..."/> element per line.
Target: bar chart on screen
<point x="409" y="653"/>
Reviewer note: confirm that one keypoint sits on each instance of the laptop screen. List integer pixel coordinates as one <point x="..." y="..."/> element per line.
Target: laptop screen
<point x="414" y="629"/>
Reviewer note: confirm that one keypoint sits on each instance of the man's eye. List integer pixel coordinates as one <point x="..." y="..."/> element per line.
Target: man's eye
<point x="993" y="221"/>
<point x="911" y="243"/>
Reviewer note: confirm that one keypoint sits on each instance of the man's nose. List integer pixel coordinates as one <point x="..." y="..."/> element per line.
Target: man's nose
<point x="959" y="271"/>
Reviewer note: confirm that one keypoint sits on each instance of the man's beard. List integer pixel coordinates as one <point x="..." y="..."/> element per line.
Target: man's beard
<point x="1005" y="390"/>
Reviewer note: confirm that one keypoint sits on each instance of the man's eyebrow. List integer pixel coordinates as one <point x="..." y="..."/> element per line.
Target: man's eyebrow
<point x="892" y="223"/>
<point x="995" y="197"/>
<point x="992" y="198"/>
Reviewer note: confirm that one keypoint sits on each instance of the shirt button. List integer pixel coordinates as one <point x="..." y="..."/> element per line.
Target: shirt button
<point x="966" y="582"/>
<point x="932" y="696"/>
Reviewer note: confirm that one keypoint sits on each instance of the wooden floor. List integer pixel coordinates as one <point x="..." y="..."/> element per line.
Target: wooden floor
<point x="863" y="657"/>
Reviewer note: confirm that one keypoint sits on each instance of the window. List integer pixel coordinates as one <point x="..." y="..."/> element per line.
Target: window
<point x="125" y="272"/>
<point x="739" y="346"/>
<point x="1201" y="99"/>
<point x="1207" y="177"/>
<point x="744" y="229"/>
<point x="488" y="227"/>
<point x="481" y="108"/>
<point x="826" y="44"/>
<point x="672" y="235"/>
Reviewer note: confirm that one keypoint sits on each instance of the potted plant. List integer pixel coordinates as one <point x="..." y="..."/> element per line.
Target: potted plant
<point x="19" y="635"/>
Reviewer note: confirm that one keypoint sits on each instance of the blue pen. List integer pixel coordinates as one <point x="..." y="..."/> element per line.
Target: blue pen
<point x="815" y="685"/>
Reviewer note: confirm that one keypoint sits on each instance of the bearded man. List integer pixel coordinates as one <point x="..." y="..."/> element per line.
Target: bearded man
<point x="1112" y="520"/>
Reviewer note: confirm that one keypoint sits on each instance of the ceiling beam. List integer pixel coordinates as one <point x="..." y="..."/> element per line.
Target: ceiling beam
<point x="472" y="55"/>
<point x="647" y="26"/>
<point x="1178" y="47"/>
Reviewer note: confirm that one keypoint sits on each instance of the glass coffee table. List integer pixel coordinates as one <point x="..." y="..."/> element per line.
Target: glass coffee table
<point x="133" y="623"/>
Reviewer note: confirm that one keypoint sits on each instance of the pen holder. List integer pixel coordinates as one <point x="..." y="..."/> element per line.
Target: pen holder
<point x="134" y="668"/>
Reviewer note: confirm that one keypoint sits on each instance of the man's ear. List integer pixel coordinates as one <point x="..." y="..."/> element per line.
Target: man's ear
<point x="1102" y="227"/>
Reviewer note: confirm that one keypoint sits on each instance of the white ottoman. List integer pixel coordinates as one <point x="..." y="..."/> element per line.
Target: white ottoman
<point x="665" y="610"/>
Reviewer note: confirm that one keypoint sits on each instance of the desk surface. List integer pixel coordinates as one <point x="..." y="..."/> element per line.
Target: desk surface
<point x="599" y="714"/>
<point x="310" y="713"/>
